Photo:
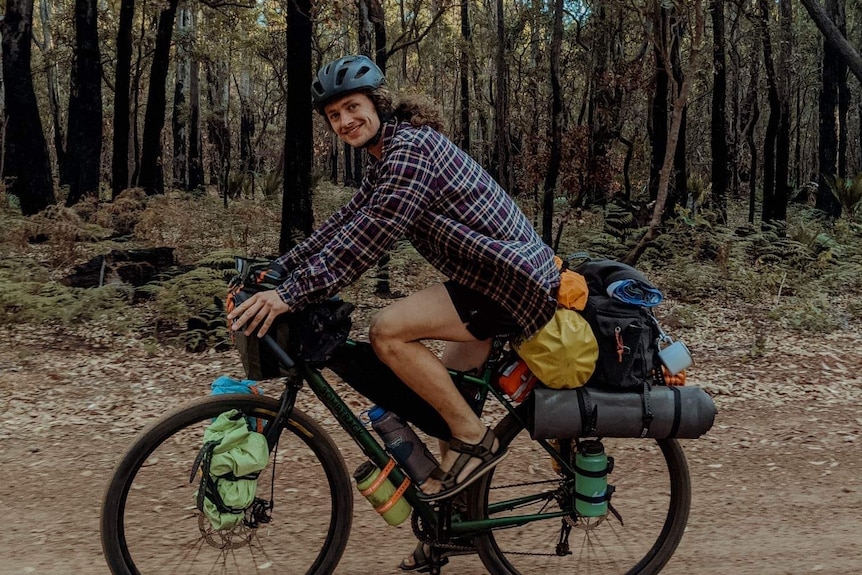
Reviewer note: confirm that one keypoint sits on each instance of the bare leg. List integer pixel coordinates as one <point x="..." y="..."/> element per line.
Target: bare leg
<point x="396" y="334"/>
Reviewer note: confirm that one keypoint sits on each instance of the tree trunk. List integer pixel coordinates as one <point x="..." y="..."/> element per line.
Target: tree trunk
<point x="463" y="79"/>
<point x="782" y="143"/>
<point x="218" y="131"/>
<point x="151" y="176"/>
<point x="768" y="210"/>
<point x="85" y="106"/>
<point x="502" y="164"/>
<point x="736" y="136"/>
<point x="659" y="107"/>
<point x="718" y="135"/>
<point x="679" y="194"/>
<point x="832" y="35"/>
<point x="296" y="217"/>
<point x="136" y="92"/>
<point x="25" y="158"/>
<point x="605" y="103"/>
<point x="179" y="118"/>
<point x="840" y="20"/>
<point x="196" y="161"/>
<point x="378" y="22"/>
<point x="828" y="130"/>
<point x="122" y="84"/>
<point x="556" y="129"/>
<point x="53" y="88"/>
<point x="749" y="115"/>
<point x="679" y="101"/>
<point x="247" y="160"/>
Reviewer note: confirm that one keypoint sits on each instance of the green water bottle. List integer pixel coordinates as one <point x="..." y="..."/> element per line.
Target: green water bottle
<point x="591" y="479"/>
<point x="376" y="487"/>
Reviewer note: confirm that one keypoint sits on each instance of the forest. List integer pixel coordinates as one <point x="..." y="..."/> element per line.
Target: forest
<point x="622" y="127"/>
<point x="715" y="144"/>
<point x="565" y="100"/>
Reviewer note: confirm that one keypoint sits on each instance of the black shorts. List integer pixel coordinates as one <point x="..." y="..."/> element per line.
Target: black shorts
<point x="483" y="317"/>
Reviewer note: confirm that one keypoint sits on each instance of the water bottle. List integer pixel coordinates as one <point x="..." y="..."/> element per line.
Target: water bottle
<point x="376" y="487"/>
<point x="403" y="444"/>
<point x="591" y="479"/>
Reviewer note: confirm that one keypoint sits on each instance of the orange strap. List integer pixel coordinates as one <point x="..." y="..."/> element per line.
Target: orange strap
<point x="381" y="509"/>
<point x="395" y="497"/>
<point x="380" y="479"/>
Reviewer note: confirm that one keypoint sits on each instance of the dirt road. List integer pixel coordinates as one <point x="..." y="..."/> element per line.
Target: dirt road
<point x="777" y="486"/>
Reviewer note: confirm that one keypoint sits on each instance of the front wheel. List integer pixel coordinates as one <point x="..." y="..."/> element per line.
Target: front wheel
<point x="150" y="523"/>
<point x="651" y="500"/>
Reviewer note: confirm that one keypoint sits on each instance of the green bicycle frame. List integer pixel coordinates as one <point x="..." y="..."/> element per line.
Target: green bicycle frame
<point x="354" y="427"/>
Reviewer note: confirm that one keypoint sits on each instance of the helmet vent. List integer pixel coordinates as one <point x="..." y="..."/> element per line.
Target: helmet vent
<point x="339" y="76"/>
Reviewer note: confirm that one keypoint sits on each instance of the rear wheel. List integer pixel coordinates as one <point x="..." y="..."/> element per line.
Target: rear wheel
<point x="652" y="497"/>
<point x="150" y="523"/>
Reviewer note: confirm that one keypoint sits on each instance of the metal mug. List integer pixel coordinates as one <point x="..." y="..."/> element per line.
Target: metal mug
<point x="675" y="357"/>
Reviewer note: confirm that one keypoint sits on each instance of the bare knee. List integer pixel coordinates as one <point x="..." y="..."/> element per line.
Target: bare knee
<point x="382" y="334"/>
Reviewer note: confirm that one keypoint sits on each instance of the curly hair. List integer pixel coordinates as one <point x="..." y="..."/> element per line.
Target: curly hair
<point x="419" y="111"/>
<point x="414" y="108"/>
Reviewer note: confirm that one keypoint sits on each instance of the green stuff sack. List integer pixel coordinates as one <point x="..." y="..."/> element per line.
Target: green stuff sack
<point x="563" y="353"/>
<point x="230" y="461"/>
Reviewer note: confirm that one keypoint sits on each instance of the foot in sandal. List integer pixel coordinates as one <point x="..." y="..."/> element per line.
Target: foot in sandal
<point x="473" y="461"/>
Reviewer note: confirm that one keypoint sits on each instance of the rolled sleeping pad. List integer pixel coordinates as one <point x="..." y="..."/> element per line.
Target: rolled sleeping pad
<point x="685" y="412"/>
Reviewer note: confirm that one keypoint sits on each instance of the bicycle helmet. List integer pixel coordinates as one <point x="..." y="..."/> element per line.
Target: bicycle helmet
<point x="343" y="76"/>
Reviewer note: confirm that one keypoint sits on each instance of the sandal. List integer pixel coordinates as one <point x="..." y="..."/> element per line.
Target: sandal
<point x="449" y="479"/>
<point x="425" y="556"/>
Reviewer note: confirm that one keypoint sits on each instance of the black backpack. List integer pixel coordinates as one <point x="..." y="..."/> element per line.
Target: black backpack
<point x="627" y="335"/>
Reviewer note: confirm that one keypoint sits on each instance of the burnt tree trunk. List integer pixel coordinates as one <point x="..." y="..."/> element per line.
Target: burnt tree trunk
<point x="718" y="130"/>
<point x="196" y="161"/>
<point x="296" y="215"/>
<point x="463" y="80"/>
<point x="679" y="194"/>
<point x="122" y="106"/>
<point x="828" y="129"/>
<point x="85" y="106"/>
<point x="151" y="176"/>
<point x="782" y="143"/>
<point x="25" y="161"/>
<point x="768" y="210"/>
<point x="659" y="106"/>
<point x="179" y="118"/>
<point x="556" y="127"/>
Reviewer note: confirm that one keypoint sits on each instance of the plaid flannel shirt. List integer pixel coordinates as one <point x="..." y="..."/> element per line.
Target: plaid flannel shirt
<point x="426" y="189"/>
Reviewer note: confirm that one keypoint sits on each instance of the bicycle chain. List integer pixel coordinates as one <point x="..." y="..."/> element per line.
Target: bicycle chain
<point x="425" y="536"/>
<point x="422" y="534"/>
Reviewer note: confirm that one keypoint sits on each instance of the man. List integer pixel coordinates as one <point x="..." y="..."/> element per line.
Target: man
<point x="422" y="187"/>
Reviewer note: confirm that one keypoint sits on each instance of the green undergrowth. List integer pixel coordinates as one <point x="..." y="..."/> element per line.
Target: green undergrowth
<point x="805" y="274"/>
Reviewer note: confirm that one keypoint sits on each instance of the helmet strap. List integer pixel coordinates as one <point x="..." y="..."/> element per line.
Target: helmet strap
<point x="384" y="119"/>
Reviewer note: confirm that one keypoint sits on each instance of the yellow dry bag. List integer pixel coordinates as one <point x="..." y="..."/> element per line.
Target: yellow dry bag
<point x="563" y="353"/>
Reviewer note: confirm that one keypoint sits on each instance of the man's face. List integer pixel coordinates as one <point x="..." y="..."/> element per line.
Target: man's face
<point x="353" y="118"/>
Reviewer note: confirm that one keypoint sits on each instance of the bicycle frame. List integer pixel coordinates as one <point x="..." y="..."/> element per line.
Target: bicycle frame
<point x="369" y="445"/>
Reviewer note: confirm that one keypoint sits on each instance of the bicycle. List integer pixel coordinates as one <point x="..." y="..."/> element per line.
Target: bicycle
<point x="519" y="518"/>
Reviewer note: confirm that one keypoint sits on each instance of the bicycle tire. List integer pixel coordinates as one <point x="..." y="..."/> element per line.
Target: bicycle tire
<point x="652" y="495"/>
<point x="150" y="525"/>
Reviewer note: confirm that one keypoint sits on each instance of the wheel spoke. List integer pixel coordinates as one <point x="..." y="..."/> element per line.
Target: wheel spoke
<point x="651" y="496"/>
<point x="151" y="525"/>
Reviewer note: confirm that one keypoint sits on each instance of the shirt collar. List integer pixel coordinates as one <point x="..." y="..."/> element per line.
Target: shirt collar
<point x="388" y="133"/>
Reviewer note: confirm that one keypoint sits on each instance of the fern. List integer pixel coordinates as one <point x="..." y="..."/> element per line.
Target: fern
<point x="848" y="192"/>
